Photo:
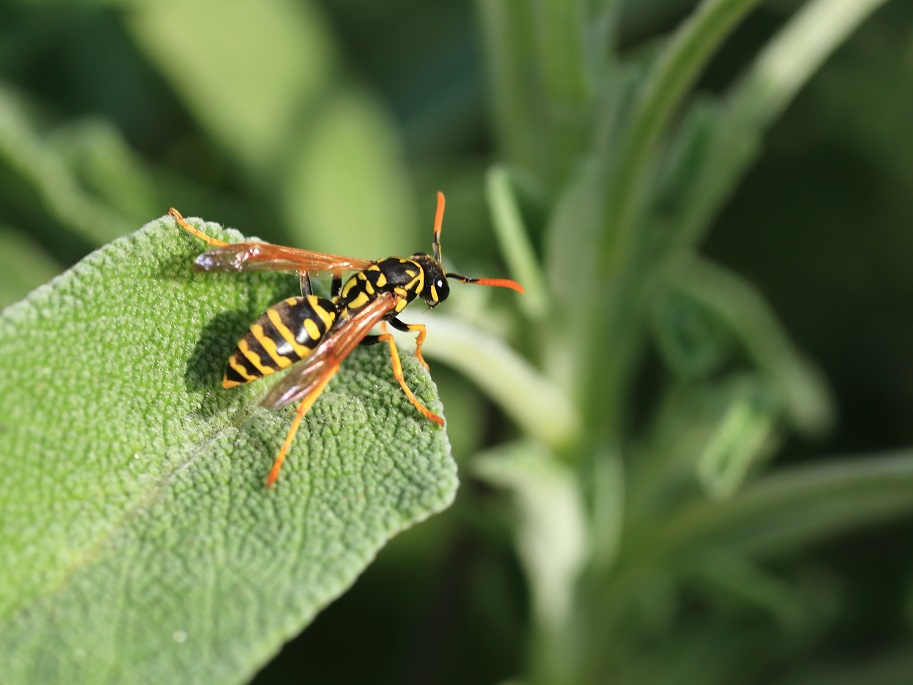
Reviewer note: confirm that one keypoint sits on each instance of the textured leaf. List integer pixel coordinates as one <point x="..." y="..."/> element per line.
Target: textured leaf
<point x="139" y="542"/>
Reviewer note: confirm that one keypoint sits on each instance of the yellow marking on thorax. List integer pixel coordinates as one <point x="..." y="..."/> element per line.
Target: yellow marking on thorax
<point x="359" y="301"/>
<point x="351" y="283"/>
<point x="418" y="279"/>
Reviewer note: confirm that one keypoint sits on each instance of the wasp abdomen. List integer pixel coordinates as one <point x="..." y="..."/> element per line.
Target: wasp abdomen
<point x="284" y="334"/>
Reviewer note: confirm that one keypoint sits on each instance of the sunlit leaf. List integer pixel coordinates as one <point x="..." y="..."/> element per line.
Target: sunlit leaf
<point x="139" y="541"/>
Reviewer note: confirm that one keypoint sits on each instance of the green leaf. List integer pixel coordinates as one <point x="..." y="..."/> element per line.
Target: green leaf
<point x="734" y="579"/>
<point x="551" y="527"/>
<point x="682" y="59"/>
<point x="792" y="57"/>
<point x="36" y="175"/>
<point x="139" y="542"/>
<point x="567" y="84"/>
<point x="346" y="189"/>
<point x="550" y="534"/>
<point x="247" y="71"/>
<point x="538" y="406"/>
<point x="712" y="435"/>
<point x="734" y="306"/>
<point x="734" y="128"/>
<point x="510" y="52"/>
<point x="694" y="341"/>
<point x="799" y="506"/>
<point x="743" y="435"/>
<point x="516" y="245"/>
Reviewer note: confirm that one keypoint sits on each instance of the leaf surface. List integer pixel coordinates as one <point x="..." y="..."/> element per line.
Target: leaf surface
<point x="141" y="545"/>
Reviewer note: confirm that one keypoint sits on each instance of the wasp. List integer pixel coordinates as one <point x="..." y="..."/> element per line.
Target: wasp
<point x="313" y="335"/>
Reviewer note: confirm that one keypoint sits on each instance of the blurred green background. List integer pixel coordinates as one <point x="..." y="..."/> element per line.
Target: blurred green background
<point x="329" y="125"/>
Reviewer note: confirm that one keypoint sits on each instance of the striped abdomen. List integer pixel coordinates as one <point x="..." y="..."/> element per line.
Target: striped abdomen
<point x="284" y="333"/>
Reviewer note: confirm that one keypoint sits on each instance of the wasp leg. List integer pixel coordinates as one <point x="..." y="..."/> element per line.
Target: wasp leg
<point x="412" y="328"/>
<point x="195" y="231"/>
<point x="305" y="280"/>
<point x="306" y="404"/>
<point x="336" y="284"/>
<point x="398" y="375"/>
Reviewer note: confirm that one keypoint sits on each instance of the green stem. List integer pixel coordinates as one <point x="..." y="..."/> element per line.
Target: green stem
<point x="515" y="243"/>
<point x="780" y="71"/>
<point x="566" y="90"/>
<point x="540" y="408"/>
<point x="797" y="52"/>
<point x="507" y="29"/>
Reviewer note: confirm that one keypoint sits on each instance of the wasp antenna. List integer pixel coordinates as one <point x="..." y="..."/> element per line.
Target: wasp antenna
<point x="438" y="221"/>
<point x="182" y="222"/>
<point x="494" y="282"/>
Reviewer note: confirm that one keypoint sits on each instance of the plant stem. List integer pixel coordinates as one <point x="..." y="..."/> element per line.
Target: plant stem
<point x="660" y="98"/>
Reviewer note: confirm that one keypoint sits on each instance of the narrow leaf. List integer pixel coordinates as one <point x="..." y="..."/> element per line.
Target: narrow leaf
<point x="800" y="506"/>
<point x="347" y="171"/>
<point x="515" y="242"/>
<point x="41" y="171"/>
<point x="744" y="433"/>
<point x="246" y="70"/>
<point x="538" y="406"/>
<point x="733" y="304"/>
<point x="673" y="74"/>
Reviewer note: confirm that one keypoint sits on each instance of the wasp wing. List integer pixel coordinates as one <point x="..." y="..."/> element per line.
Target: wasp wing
<point x="269" y="257"/>
<point x="330" y="353"/>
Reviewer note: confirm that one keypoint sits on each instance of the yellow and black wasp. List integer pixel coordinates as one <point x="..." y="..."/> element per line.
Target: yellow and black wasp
<point x="315" y="334"/>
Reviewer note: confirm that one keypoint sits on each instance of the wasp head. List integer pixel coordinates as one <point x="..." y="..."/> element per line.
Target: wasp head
<point x="435" y="289"/>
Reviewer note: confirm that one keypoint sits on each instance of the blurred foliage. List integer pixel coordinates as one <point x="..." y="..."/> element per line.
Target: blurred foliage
<point x="720" y="428"/>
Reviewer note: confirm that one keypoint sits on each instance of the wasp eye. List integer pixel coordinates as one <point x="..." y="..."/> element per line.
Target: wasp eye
<point x="441" y="288"/>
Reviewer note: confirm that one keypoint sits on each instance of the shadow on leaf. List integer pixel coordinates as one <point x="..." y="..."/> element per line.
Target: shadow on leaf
<point x="217" y="341"/>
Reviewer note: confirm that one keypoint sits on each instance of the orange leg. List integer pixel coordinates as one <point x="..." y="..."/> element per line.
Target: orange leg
<point x="195" y="231"/>
<point x="419" y="339"/>
<point x="306" y="404"/>
<point x="398" y="373"/>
